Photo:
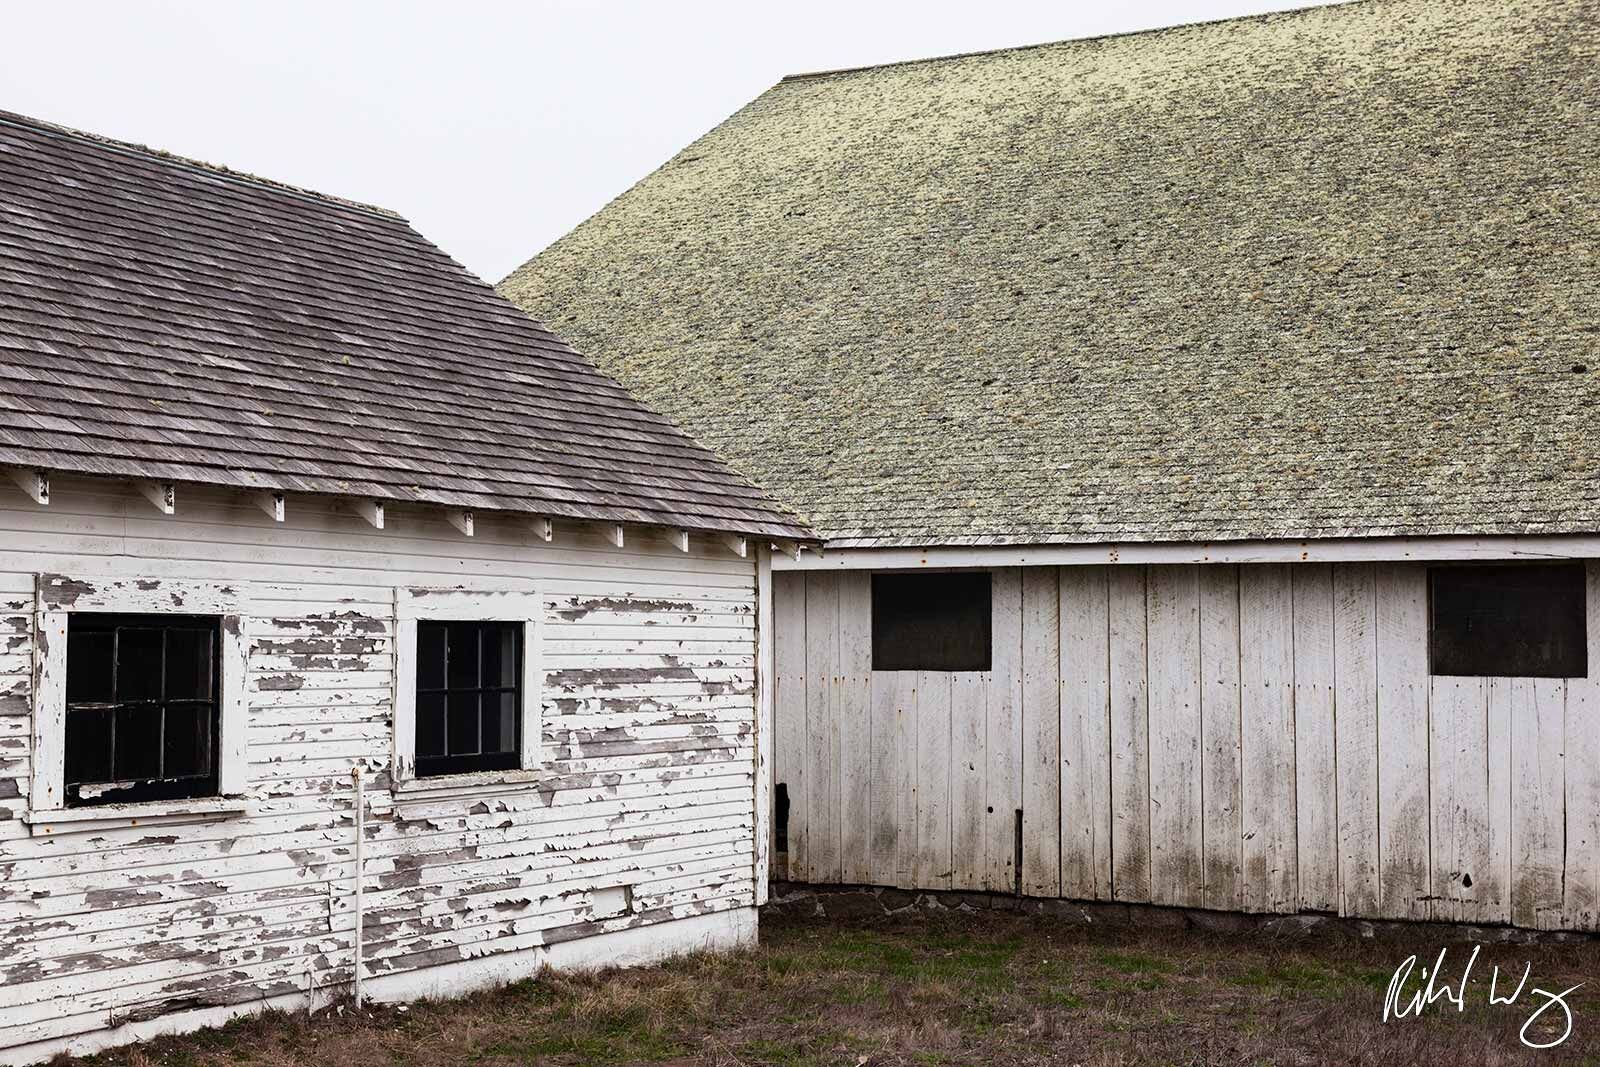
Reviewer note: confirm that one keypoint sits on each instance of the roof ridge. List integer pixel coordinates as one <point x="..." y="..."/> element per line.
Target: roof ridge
<point x="1262" y="15"/>
<point x="12" y="118"/>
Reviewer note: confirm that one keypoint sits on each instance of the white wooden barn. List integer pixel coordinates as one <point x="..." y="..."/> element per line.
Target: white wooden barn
<point x="1202" y="426"/>
<point x="355" y="629"/>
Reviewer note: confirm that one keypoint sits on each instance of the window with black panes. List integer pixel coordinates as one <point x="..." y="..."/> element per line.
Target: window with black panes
<point x="141" y="707"/>
<point x="469" y="697"/>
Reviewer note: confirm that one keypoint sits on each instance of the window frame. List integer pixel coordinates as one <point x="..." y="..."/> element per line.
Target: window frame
<point x="413" y="604"/>
<point x="162" y="786"/>
<point x="57" y="598"/>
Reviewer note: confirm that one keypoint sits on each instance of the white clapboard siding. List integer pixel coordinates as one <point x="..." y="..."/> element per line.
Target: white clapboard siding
<point x="1173" y="665"/>
<point x="643" y="810"/>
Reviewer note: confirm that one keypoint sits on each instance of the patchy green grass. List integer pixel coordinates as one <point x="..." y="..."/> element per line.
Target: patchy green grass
<point x="992" y="988"/>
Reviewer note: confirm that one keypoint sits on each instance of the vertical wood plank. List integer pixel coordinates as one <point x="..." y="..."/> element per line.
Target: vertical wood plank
<point x="1582" y="882"/>
<point x="820" y="845"/>
<point x="1316" y="791"/>
<point x="1003" y="749"/>
<point x="1266" y="711"/>
<point x="1355" y="679"/>
<point x="1173" y="657"/>
<point x="884" y="862"/>
<point x="1085" y="735"/>
<point x="1458" y="798"/>
<point x="908" y="746"/>
<point x="1538" y="727"/>
<point x="1403" y="828"/>
<point x="968" y="773"/>
<point x="1220" y="754"/>
<point x="1130" y="745"/>
<point x="931" y="869"/>
<point x="790" y="744"/>
<point x="852" y="716"/>
<point x="1495" y="898"/>
<point x="1041" y="732"/>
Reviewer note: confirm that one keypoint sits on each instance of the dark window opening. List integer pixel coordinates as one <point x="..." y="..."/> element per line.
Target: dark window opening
<point x="931" y="622"/>
<point x="1517" y="621"/>
<point x="781" y="817"/>
<point x="142" y="700"/>
<point x="469" y="697"/>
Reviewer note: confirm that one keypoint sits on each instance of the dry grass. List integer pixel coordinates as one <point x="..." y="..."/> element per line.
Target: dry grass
<point x="994" y="989"/>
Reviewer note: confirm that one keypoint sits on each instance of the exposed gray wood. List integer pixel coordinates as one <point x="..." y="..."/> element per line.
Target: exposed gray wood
<point x="1355" y="669"/>
<point x="1130" y="739"/>
<point x="1003" y="740"/>
<point x="1173" y="668"/>
<point x="1403" y="827"/>
<point x="1221" y="772"/>
<point x="1086" y="816"/>
<point x="852" y="710"/>
<point x="1266" y="714"/>
<point x="1315" y="739"/>
<point x="1041" y="732"/>
<point x="819" y="847"/>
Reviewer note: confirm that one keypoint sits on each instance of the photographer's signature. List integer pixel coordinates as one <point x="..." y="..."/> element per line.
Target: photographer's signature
<point x="1398" y="1004"/>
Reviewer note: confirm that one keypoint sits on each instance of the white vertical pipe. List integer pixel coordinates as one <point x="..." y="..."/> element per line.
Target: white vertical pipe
<point x="361" y="828"/>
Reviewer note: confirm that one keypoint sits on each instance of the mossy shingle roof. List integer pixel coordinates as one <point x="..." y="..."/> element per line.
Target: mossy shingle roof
<point x="166" y="319"/>
<point x="1325" y="273"/>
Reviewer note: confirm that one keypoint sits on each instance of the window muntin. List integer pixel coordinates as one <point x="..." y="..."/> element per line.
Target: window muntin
<point x="142" y="700"/>
<point x="937" y="621"/>
<point x="468" y="697"/>
<point x="1512" y="620"/>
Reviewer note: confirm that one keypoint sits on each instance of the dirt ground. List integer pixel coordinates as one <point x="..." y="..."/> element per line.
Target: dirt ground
<point x="992" y="988"/>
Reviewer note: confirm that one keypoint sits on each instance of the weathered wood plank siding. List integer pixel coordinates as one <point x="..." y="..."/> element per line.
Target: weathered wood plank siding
<point x="1261" y="737"/>
<point x="642" y="813"/>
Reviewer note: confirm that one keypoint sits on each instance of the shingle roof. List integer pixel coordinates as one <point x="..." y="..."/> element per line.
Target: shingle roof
<point x="164" y="319"/>
<point x="1333" y="272"/>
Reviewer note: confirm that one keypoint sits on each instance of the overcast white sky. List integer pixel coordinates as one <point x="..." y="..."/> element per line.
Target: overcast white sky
<point x="494" y="127"/>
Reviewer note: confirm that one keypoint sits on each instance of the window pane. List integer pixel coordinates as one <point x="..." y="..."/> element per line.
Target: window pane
<point x="1509" y="621"/>
<point x="89" y="666"/>
<point x="189" y="664"/>
<point x="430" y="725"/>
<point x="430" y="655"/>
<point x="500" y="654"/>
<point x="500" y="722"/>
<point x="464" y="724"/>
<point x="138" y="743"/>
<point x="186" y="748"/>
<point x="139" y="664"/>
<point x="931" y="622"/>
<point x="462" y="658"/>
<point x="88" y="745"/>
